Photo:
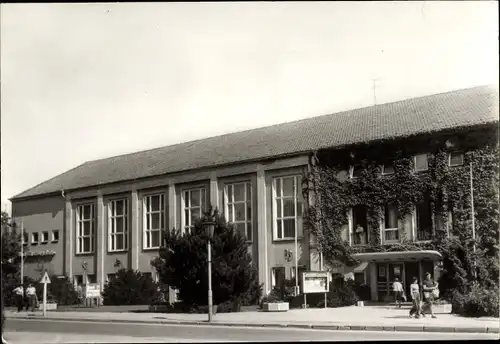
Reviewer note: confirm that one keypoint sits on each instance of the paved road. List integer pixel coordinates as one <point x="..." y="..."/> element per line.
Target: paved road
<point x="20" y="331"/>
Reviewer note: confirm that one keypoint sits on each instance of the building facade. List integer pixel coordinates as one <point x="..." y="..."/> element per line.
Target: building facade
<point x="110" y="213"/>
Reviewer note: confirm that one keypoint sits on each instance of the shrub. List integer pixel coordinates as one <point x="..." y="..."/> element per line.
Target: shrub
<point x="476" y="303"/>
<point x="61" y="290"/>
<point x="182" y="264"/>
<point x="273" y="296"/>
<point x="130" y="287"/>
<point x="362" y="291"/>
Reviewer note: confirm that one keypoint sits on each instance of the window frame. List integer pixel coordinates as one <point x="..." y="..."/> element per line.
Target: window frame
<point x="426" y="162"/>
<point x="352" y="229"/>
<point x="415" y="223"/>
<point x="394" y="229"/>
<point x="112" y="219"/>
<point x="80" y="230"/>
<point x="186" y="228"/>
<point x="351" y="170"/>
<point x="33" y="241"/>
<point x="461" y="155"/>
<point x="42" y="241"/>
<point x="148" y="212"/>
<point x="297" y="200"/>
<point x="247" y="185"/>
<point x="52" y="237"/>
<point x="382" y="168"/>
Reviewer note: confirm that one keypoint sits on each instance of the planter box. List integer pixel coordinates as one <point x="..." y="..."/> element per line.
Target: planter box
<point x="444" y="308"/>
<point x="50" y="306"/>
<point x="275" y="307"/>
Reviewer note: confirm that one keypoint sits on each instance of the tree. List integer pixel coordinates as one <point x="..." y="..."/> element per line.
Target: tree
<point x="11" y="246"/>
<point x="182" y="263"/>
<point x="130" y="287"/>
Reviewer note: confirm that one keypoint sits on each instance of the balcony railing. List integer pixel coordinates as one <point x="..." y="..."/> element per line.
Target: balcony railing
<point x="424" y="235"/>
<point x="360" y="238"/>
<point x="391" y="235"/>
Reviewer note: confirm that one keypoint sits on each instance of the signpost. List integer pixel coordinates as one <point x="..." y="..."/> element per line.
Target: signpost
<point x="45" y="280"/>
<point x="315" y="282"/>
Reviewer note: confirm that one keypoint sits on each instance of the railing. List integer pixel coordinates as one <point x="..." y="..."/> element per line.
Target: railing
<point x="360" y="238"/>
<point x="391" y="235"/>
<point x="424" y="235"/>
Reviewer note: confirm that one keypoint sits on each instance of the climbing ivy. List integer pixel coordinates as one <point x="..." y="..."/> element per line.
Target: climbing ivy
<point x="446" y="188"/>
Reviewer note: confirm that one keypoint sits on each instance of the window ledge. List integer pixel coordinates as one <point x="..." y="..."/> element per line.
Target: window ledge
<point x="84" y="254"/>
<point x="387" y="242"/>
<point x="54" y="241"/>
<point x="423" y="241"/>
<point x="117" y="251"/>
<point x="151" y="248"/>
<point x="287" y="239"/>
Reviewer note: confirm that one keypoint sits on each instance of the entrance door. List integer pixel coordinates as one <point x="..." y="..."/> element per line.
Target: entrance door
<point x="411" y="270"/>
<point x="382" y="282"/>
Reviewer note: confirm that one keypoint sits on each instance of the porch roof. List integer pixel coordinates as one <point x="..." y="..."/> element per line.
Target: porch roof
<point x="398" y="256"/>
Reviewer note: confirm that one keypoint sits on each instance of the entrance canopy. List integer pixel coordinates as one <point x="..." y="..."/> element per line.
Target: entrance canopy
<point x="398" y="256"/>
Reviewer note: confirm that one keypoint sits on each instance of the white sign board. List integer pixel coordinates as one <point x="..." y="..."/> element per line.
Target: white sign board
<point x="316" y="282"/>
<point x="45" y="279"/>
<point x="92" y="290"/>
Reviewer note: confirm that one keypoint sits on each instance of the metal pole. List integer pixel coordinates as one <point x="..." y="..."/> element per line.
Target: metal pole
<point x="45" y="299"/>
<point x="209" y="281"/>
<point x="473" y="218"/>
<point x="22" y="253"/>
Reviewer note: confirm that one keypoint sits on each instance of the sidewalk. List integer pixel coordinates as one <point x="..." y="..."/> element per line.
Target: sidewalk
<point x="345" y="318"/>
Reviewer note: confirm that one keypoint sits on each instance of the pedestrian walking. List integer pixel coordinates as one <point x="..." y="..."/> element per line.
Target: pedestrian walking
<point x="415" y="297"/>
<point x="430" y="289"/>
<point x="31" y="293"/>
<point x="19" y="297"/>
<point x="397" y="287"/>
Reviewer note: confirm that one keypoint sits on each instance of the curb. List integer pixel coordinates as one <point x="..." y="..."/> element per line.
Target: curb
<point x="327" y="327"/>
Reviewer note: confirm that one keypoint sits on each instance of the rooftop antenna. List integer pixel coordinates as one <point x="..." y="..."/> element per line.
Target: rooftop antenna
<point x="374" y="80"/>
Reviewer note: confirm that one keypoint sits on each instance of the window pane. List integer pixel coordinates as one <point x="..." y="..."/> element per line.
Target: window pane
<point x="55" y="235"/>
<point x="240" y="227"/>
<point x="239" y="192"/>
<point x="357" y="171"/>
<point x="119" y="207"/>
<point x="155" y="203"/>
<point x="112" y="208"/>
<point x="86" y="228"/>
<point x="147" y="204"/>
<point x="195" y="215"/>
<point x="249" y="210"/>
<point x="456" y="159"/>
<point x="148" y="239"/>
<point x="186" y="217"/>
<point x="113" y="227"/>
<point x="421" y="162"/>
<point x="391" y="216"/>
<point x="249" y="231"/>
<point x="195" y="198"/>
<point x="288" y="186"/>
<point x="289" y="207"/>
<point x="86" y="211"/>
<point x="148" y="222"/>
<point x="86" y="244"/>
<point x="202" y="198"/>
<point x="155" y="221"/>
<point x="289" y="230"/>
<point x="249" y="191"/>
<point x="230" y="193"/>
<point x="388" y="169"/>
<point x="239" y="211"/>
<point x="119" y="242"/>
<point x="278" y="187"/>
<point x="278" y="208"/>
<point x="186" y="199"/>
<point x="155" y="238"/>
<point x="230" y="213"/>
<point x="279" y="231"/>
<point x="119" y="224"/>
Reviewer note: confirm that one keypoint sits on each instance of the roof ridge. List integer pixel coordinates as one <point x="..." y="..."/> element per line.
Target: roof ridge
<point x="283" y="123"/>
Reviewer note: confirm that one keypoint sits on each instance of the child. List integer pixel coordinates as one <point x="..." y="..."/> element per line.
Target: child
<point x="415" y="296"/>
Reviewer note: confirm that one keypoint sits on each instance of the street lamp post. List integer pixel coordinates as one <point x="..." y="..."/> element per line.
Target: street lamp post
<point x="210" y="227"/>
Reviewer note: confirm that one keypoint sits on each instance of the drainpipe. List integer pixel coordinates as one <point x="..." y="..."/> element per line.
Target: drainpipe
<point x="473" y="219"/>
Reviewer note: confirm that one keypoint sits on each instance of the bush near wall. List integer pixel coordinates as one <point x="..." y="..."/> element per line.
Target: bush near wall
<point x="130" y="287"/>
<point x="476" y="303"/>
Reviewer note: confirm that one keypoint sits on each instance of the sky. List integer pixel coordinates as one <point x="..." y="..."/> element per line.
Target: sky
<point x="81" y="82"/>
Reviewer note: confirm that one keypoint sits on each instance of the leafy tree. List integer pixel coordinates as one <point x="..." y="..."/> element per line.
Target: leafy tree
<point x="11" y="246"/>
<point x="182" y="264"/>
<point x="130" y="287"/>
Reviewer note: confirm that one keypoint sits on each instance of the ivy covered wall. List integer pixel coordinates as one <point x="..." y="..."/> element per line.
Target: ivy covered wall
<point x="446" y="188"/>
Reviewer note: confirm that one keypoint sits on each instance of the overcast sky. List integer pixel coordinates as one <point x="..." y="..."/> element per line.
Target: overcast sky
<point x="87" y="81"/>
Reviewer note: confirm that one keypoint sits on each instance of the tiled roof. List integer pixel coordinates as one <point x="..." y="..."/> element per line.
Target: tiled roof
<point x="467" y="107"/>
